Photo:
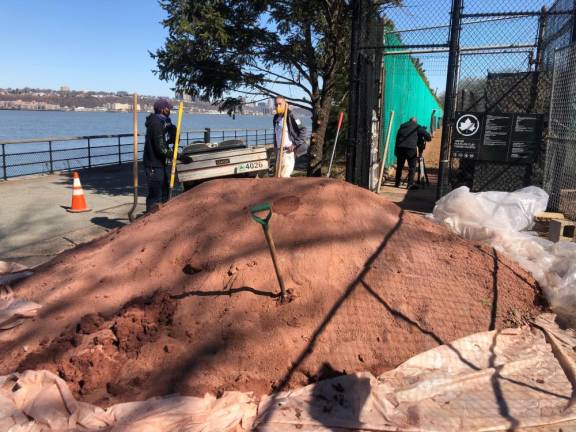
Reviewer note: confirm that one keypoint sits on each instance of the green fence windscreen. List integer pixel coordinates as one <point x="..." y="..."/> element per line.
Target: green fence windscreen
<point x="407" y="93"/>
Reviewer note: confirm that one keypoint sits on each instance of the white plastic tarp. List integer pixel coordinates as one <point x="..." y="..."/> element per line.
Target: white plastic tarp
<point x="493" y="381"/>
<point x="476" y="215"/>
<point x="41" y="401"/>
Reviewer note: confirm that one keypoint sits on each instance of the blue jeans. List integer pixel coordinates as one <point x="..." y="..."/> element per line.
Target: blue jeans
<point x="157" y="186"/>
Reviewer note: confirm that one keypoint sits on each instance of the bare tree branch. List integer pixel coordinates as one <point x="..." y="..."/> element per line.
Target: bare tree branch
<point x="285" y="80"/>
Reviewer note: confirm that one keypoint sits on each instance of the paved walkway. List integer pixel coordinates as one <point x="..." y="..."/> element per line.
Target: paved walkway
<point x="35" y="225"/>
<point x="423" y="199"/>
<point x="417" y="201"/>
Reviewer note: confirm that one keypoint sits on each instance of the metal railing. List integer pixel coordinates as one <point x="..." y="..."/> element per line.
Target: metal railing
<point x="53" y="154"/>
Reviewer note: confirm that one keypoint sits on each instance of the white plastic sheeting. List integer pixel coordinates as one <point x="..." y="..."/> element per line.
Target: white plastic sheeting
<point x="500" y="219"/>
<point x="39" y="401"/>
<point x="476" y="216"/>
<point x="492" y="381"/>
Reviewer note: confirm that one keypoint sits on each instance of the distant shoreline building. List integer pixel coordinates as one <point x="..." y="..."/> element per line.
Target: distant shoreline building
<point x="179" y="96"/>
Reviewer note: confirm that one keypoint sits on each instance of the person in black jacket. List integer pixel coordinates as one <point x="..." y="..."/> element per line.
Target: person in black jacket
<point x="409" y="138"/>
<point x="159" y="133"/>
<point x="295" y="143"/>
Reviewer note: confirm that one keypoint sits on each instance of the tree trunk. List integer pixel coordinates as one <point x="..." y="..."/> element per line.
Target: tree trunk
<point x="320" y="113"/>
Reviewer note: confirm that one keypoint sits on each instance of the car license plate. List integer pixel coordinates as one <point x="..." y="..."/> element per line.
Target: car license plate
<point x="250" y="166"/>
<point x="220" y="162"/>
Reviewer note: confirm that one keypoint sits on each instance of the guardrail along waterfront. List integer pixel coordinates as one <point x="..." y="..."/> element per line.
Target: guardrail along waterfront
<point x="52" y="154"/>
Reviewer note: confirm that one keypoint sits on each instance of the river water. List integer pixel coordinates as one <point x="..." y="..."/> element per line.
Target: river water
<point x="33" y="158"/>
<point x="16" y="125"/>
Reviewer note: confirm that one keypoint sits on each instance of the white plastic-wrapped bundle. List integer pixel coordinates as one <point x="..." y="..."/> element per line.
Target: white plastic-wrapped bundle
<point x="474" y="215"/>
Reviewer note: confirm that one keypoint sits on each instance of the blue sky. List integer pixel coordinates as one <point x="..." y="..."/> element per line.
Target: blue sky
<point x="104" y="44"/>
<point x="433" y="16"/>
<point x="86" y="45"/>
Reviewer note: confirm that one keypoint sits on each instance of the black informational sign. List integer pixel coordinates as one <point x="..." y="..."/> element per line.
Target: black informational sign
<point x="497" y="137"/>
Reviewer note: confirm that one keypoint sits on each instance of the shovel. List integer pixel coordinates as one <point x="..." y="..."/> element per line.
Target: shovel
<point x="264" y="221"/>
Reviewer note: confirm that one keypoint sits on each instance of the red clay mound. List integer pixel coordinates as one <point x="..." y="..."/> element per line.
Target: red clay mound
<point x="184" y="300"/>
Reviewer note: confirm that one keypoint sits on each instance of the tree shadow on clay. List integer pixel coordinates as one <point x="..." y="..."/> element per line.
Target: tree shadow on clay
<point x="522" y="277"/>
<point x="494" y="310"/>
<point x="314" y="338"/>
<point x="399" y="315"/>
<point x="197" y="359"/>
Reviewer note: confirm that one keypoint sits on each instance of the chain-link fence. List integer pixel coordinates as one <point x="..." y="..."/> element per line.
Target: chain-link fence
<point x="490" y="65"/>
<point x="560" y="172"/>
<point x="505" y="70"/>
<point x="497" y="74"/>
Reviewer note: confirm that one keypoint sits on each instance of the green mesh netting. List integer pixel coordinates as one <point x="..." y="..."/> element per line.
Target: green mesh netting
<point x="407" y="94"/>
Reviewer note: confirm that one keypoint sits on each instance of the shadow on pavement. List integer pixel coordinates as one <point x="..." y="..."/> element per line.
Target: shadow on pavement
<point x="106" y="222"/>
<point x="109" y="180"/>
<point x="421" y="200"/>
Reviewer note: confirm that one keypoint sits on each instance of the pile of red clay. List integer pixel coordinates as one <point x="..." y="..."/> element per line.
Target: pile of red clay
<point x="185" y="299"/>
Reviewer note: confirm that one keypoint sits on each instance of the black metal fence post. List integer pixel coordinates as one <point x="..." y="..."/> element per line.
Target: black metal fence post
<point x="450" y="97"/>
<point x="119" y="152"/>
<point x="207" y="135"/>
<point x="50" y="157"/>
<point x="4" y="161"/>
<point x="573" y="32"/>
<point x="351" y="148"/>
<point x="256" y="136"/>
<point x="89" y="155"/>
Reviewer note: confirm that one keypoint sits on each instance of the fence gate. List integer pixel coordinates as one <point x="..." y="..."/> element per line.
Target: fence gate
<point x="503" y="91"/>
<point x="560" y="168"/>
<point x="492" y="65"/>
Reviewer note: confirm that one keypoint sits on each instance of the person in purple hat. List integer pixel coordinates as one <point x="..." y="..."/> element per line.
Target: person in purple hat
<point x="159" y="133"/>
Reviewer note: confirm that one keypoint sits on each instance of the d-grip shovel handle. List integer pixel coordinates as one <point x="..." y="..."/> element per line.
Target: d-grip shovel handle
<point x="259" y="209"/>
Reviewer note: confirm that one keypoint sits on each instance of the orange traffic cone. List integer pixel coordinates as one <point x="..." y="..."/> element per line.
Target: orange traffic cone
<point x="78" y="199"/>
